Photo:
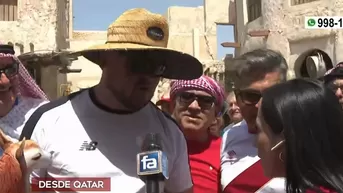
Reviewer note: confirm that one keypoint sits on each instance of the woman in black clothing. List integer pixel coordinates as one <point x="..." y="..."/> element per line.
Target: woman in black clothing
<point x="301" y="136"/>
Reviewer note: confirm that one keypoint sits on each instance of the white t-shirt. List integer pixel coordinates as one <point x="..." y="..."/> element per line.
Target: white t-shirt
<point x="225" y="136"/>
<point x="12" y="124"/>
<point x="62" y="131"/>
<point x="239" y="160"/>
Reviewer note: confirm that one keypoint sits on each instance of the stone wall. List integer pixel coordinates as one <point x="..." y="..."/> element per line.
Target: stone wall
<point x="35" y="27"/>
<point x="288" y="35"/>
<point x="38" y="27"/>
<point x="196" y="32"/>
<point x="90" y="74"/>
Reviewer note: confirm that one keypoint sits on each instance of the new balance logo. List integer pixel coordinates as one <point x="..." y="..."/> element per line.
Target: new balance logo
<point x="88" y="146"/>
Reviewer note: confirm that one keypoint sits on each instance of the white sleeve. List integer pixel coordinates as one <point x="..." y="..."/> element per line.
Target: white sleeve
<point x="40" y="136"/>
<point x="224" y="138"/>
<point x="225" y="162"/>
<point x="179" y="176"/>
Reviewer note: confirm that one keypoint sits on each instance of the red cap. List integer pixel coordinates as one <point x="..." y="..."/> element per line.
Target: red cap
<point x="164" y="98"/>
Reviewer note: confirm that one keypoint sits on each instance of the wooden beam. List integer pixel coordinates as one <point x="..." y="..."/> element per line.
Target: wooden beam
<point x="259" y="33"/>
<point x="231" y="45"/>
<point x="219" y="23"/>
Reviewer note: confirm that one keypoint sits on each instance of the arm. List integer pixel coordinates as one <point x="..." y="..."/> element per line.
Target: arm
<point x="41" y="136"/>
<point x="38" y="136"/>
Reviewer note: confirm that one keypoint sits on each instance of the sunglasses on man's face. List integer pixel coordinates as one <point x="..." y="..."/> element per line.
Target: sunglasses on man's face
<point x="148" y="63"/>
<point x="10" y="70"/>
<point x="248" y="97"/>
<point x="334" y="86"/>
<point x="205" y="102"/>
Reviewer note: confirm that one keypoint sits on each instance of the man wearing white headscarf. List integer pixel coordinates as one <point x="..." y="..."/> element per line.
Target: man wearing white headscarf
<point x="20" y="96"/>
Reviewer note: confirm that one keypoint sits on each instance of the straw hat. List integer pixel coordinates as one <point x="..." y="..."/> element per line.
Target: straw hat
<point x="137" y="30"/>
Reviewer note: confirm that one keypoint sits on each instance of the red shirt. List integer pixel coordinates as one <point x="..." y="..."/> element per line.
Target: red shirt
<point x="204" y="161"/>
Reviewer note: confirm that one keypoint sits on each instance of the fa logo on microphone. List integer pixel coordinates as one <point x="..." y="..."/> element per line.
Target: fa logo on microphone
<point x="149" y="162"/>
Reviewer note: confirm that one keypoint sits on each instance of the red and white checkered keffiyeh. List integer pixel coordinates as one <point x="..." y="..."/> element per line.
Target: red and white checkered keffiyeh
<point x="203" y="83"/>
<point x="23" y="83"/>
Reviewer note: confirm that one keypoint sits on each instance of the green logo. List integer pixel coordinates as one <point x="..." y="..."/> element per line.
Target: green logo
<point x="311" y="22"/>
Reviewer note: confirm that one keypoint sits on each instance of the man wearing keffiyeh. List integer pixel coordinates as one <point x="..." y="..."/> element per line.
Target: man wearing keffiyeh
<point x="198" y="103"/>
<point x="20" y="96"/>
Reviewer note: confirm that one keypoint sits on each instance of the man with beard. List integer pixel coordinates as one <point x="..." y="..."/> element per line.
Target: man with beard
<point x="99" y="131"/>
<point x="197" y="105"/>
<point x="241" y="168"/>
<point x="20" y="96"/>
<point x="333" y="79"/>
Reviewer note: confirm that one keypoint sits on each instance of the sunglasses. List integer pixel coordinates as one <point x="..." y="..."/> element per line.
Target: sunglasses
<point x="146" y="62"/>
<point x="248" y="97"/>
<point x="205" y="102"/>
<point x="332" y="86"/>
<point x="11" y="70"/>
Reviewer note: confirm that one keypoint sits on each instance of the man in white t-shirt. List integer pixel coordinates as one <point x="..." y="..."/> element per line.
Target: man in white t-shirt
<point x="241" y="169"/>
<point x="112" y="118"/>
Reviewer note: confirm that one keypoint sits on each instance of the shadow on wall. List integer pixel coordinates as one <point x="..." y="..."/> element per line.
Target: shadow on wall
<point x="312" y="64"/>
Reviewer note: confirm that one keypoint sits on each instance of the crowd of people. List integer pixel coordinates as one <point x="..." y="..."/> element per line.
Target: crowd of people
<point x="268" y="135"/>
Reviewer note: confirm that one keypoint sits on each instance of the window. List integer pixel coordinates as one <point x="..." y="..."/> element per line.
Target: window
<point x="8" y="10"/>
<point x="35" y="73"/>
<point x="32" y="72"/>
<point x="254" y="9"/>
<point x="32" y="47"/>
<point x="298" y="2"/>
<point x="21" y="47"/>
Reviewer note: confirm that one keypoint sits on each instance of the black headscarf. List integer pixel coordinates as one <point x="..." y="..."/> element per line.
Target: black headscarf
<point x="6" y="49"/>
<point x="334" y="73"/>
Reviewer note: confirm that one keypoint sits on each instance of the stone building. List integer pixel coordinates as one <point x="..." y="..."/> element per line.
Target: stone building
<point x="32" y="25"/>
<point x="42" y="34"/>
<point x="90" y="74"/>
<point x="280" y="25"/>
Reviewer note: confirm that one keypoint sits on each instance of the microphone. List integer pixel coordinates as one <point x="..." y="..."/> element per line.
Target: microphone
<point x="152" y="163"/>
